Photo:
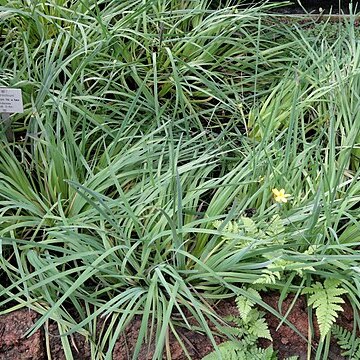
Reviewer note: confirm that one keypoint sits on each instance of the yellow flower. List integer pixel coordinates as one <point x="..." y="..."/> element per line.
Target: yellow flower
<point x="280" y="196"/>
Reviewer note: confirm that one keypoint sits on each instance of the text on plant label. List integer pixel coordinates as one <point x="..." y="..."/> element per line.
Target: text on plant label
<point x="11" y="101"/>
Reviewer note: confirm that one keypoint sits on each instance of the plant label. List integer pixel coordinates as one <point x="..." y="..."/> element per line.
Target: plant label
<point x="10" y="101"/>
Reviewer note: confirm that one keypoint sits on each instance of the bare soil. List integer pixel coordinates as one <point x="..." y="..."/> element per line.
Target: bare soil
<point x="14" y="345"/>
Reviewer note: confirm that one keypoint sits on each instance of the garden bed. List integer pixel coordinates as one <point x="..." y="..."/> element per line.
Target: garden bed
<point x="182" y="176"/>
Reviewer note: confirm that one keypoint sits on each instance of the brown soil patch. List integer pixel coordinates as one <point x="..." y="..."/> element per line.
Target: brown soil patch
<point x="80" y="347"/>
<point x="13" y="344"/>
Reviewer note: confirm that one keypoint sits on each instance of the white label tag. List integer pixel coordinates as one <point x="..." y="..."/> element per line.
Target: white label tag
<point x="10" y="101"/>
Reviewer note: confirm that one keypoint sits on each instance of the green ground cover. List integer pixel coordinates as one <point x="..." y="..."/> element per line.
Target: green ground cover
<point x="140" y="177"/>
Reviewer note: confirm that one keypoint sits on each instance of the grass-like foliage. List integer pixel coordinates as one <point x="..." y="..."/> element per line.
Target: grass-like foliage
<point x="152" y="131"/>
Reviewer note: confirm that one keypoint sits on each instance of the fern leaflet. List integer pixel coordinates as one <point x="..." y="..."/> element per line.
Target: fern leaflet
<point x="244" y="304"/>
<point x="347" y="342"/>
<point x="325" y="298"/>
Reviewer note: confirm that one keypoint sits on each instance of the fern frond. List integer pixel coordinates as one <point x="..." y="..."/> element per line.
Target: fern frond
<point x="244" y="304"/>
<point x="216" y="224"/>
<point x="234" y="331"/>
<point x="356" y="355"/>
<point x="260" y="329"/>
<point x="231" y="227"/>
<point x="347" y="341"/>
<point x="276" y="226"/>
<point x="342" y="336"/>
<point x="257" y="353"/>
<point x="250" y="227"/>
<point x="249" y="327"/>
<point x="311" y="250"/>
<point x="325" y="298"/>
<point x="268" y="277"/>
<point x="230" y="350"/>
